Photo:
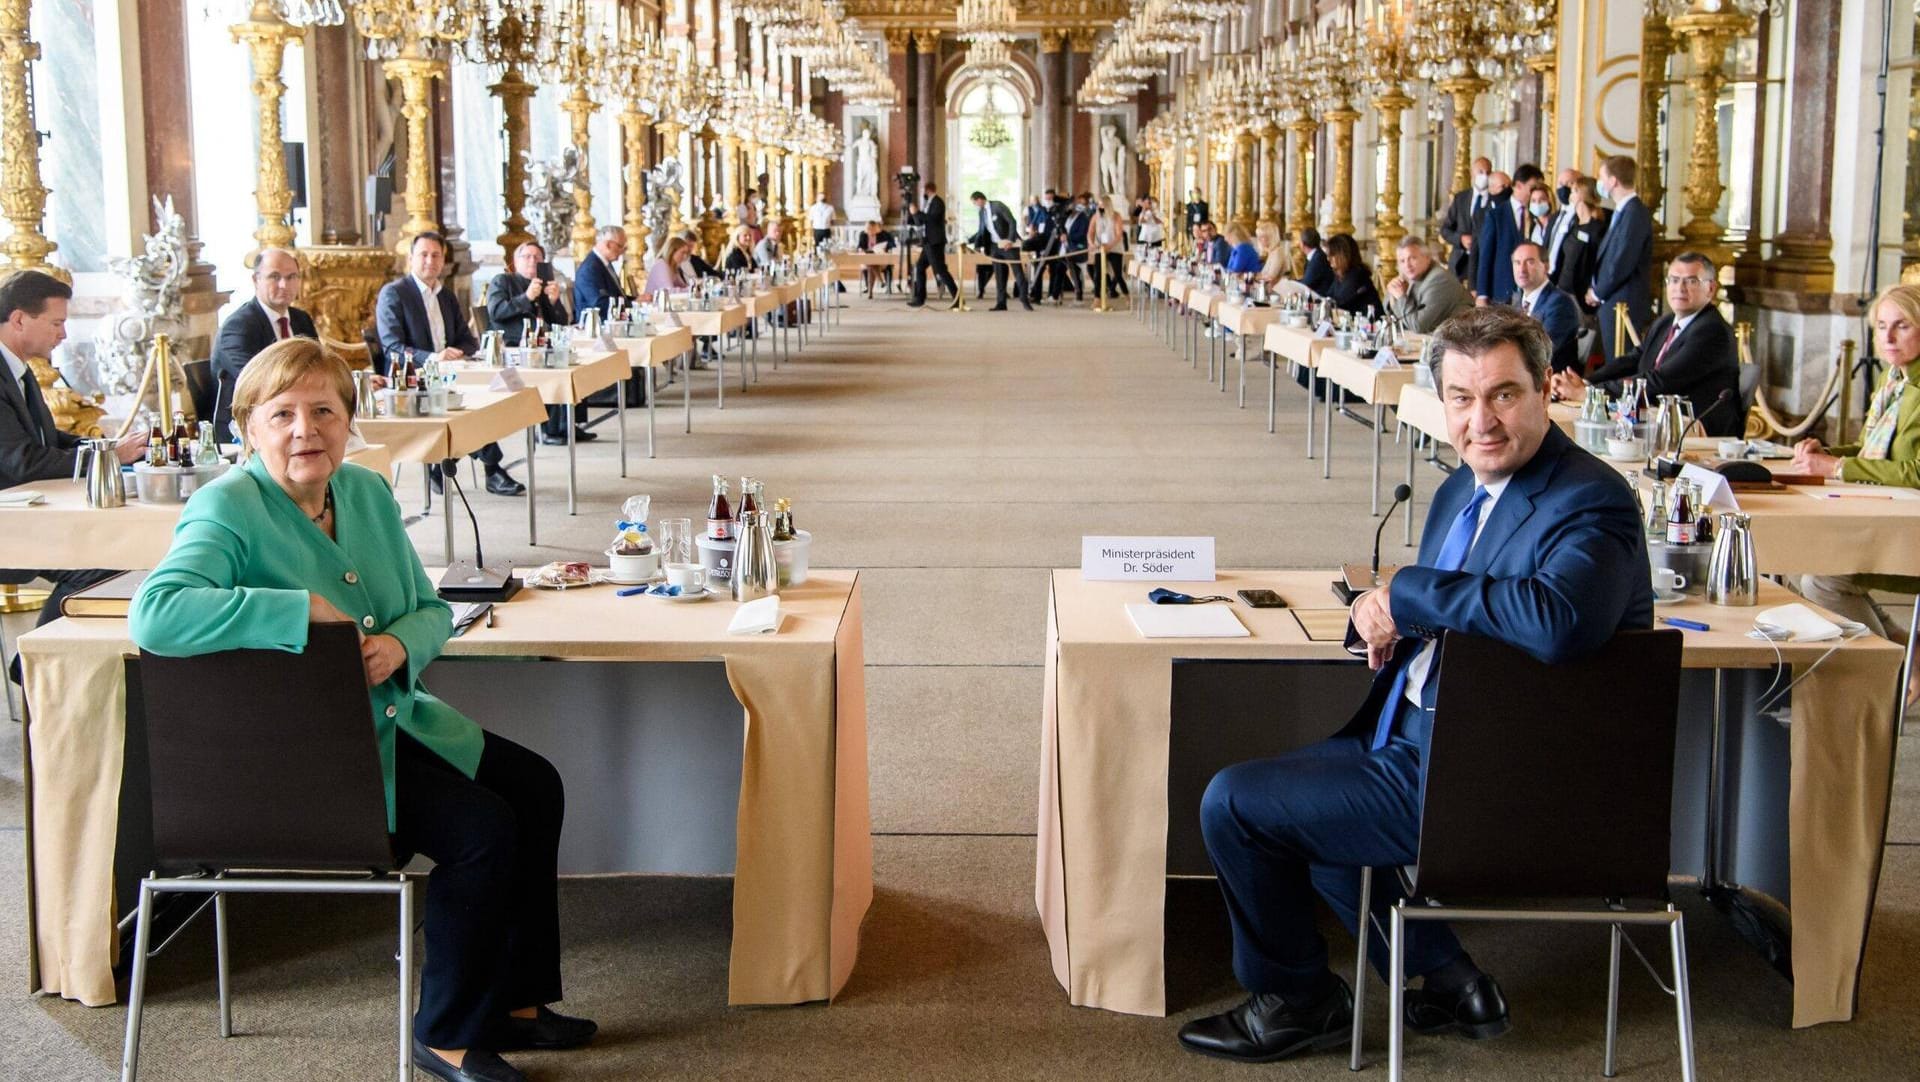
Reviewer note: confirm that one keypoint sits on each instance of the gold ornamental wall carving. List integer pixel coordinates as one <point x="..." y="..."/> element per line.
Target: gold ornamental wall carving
<point x="342" y="282"/>
<point x="24" y="199"/>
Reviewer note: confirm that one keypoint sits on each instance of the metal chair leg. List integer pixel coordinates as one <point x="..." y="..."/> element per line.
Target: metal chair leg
<point x="1682" y="995"/>
<point x="406" y="979"/>
<point x="220" y="957"/>
<point x="1396" y="990"/>
<point x="137" y="984"/>
<point x="1361" y="917"/>
<point x="1613" y="1000"/>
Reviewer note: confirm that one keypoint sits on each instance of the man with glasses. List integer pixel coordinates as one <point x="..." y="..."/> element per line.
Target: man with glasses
<point x="1688" y="351"/>
<point x="255" y="325"/>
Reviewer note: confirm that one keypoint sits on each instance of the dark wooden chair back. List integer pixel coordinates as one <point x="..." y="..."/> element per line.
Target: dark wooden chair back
<point x="1551" y="781"/>
<point x="202" y="388"/>
<point x="265" y="759"/>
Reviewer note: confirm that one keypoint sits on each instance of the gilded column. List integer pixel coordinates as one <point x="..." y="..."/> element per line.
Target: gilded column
<point x="1707" y="37"/>
<point x="516" y="97"/>
<point x="1272" y="140"/>
<point x="1302" y="213"/>
<point x="266" y="36"/>
<point x="730" y="170"/>
<point x="1243" y="202"/>
<point x="1465" y="91"/>
<point x="633" y="132"/>
<point x="1545" y="66"/>
<point x="1388" y="227"/>
<point x="24" y="198"/>
<point x="416" y="78"/>
<point x="1656" y="46"/>
<point x="1341" y="176"/>
<point x="580" y="108"/>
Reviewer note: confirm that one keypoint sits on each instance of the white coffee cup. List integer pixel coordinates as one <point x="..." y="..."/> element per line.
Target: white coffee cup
<point x="1733" y="448"/>
<point x="688" y="577"/>
<point x="1667" y="581"/>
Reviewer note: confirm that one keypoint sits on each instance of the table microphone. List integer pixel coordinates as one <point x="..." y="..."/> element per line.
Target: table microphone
<point x="1700" y="422"/>
<point x="473" y="580"/>
<point x="1356" y="580"/>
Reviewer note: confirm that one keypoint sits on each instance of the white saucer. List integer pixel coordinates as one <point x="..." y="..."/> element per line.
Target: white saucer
<point x="648" y="581"/>
<point x="1668" y="599"/>
<point x="685" y="598"/>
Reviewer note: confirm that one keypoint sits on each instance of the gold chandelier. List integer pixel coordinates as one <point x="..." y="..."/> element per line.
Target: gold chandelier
<point x="990" y="132"/>
<point x="985" y="20"/>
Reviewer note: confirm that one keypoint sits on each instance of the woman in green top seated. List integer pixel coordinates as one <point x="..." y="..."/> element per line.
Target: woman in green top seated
<point x="1888" y="454"/>
<point x="293" y="537"/>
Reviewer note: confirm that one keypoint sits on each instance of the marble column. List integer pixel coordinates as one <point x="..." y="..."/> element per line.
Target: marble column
<point x="1080" y="164"/>
<point x="1047" y="157"/>
<point x="896" y="137"/>
<point x="1803" y="252"/>
<point x="926" y="63"/>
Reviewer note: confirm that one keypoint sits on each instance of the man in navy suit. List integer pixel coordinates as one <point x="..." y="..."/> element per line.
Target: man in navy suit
<point x="255" y="325"/>
<point x="596" y="283"/>
<point x="1500" y="230"/>
<point x="1552" y="307"/>
<point x="419" y="319"/>
<point x="1538" y="545"/>
<point x="1210" y="245"/>
<point x="1316" y="273"/>
<point x="1624" y="266"/>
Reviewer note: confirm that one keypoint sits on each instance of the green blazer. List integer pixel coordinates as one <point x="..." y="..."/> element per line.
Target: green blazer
<point x="244" y="561"/>
<point x="1901" y="468"/>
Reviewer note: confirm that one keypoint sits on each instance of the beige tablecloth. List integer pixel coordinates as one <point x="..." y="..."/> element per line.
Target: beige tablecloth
<point x="1243" y="318"/>
<point x="1359" y="376"/>
<point x="488" y="416"/>
<point x="706" y="324"/>
<point x="804" y="872"/>
<point x="64" y="534"/>
<point x="658" y="349"/>
<point x="1100" y="861"/>
<point x="596" y="370"/>
<point x="1296" y="344"/>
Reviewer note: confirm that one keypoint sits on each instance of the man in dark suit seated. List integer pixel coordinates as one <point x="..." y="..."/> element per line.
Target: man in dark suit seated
<point x="999" y="237"/>
<point x="33" y="320"/>
<point x="1210" y="246"/>
<point x="418" y="318"/>
<point x="1316" y="272"/>
<point x="1688" y="351"/>
<point x="515" y="300"/>
<point x="596" y="282"/>
<point x="255" y="325"/>
<point x="1552" y="307"/>
<point x="1536" y="544"/>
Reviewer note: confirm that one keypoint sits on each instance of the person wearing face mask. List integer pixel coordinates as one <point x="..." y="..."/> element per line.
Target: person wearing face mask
<point x="1501" y="227"/>
<point x="1573" y="262"/>
<point x="1461" y="223"/>
<point x="1562" y="223"/>
<point x="1623" y="267"/>
<point x="1541" y="213"/>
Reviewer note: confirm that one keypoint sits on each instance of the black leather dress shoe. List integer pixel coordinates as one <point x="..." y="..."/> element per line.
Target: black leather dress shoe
<point x="547" y="1030"/>
<point x="1265" y="1028"/>
<point x="434" y="482"/>
<point x="916" y="304"/>
<point x="501" y="483"/>
<point x="587" y="435"/>
<point x="479" y="1065"/>
<point x="1027" y="304"/>
<point x="1476" y="1011"/>
<point x="998" y="308"/>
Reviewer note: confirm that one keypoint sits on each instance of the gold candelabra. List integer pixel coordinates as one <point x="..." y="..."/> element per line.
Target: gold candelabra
<point x="1707" y="29"/>
<point x="1388" y="70"/>
<point x="414" y="38"/>
<point x="24" y="198"/>
<point x="509" y="42"/>
<point x="266" y="35"/>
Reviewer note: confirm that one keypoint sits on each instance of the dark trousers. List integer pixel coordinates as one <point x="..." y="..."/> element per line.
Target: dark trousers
<point x="822" y="236"/>
<point x="1066" y="271"/>
<point x="1281" y="830"/>
<point x="492" y="908"/>
<point x="932" y="256"/>
<point x="556" y="422"/>
<point x="1000" y="269"/>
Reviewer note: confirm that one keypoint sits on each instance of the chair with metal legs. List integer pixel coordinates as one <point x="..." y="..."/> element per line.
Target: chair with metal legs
<point x="265" y="780"/>
<point x="1544" y="783"/>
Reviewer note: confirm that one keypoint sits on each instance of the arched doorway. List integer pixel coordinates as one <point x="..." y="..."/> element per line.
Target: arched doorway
<point x="987" y="148"/>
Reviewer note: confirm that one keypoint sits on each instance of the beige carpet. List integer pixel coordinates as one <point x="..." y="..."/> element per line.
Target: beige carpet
<point x="954" y="459"/>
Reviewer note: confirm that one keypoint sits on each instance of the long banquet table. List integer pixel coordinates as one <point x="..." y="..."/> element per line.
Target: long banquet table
<point x="487" y="416"/>
<point x="802" y="863"/>
<point x="593" y="370"/>
<point x="1109" y="742"/>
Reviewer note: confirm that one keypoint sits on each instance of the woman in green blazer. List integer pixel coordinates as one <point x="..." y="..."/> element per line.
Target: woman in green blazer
<point x="292" y="537"/>
<point x="1888" y="454"/>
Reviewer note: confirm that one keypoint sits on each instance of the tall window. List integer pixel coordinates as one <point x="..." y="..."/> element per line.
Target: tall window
<point x="480" y="142"/>
<point x="66" y="100"/>
<point x="992" y="144"/>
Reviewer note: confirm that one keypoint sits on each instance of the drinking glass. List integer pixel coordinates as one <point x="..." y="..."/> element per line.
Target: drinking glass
<point x="675" y="540"/>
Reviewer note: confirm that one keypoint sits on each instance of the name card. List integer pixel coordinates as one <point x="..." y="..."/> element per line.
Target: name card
<point x="1386" y="360"/>
<point x="507" y="379"/>
<point x="1713" y="487"/>
<point x="1173" y="559"/>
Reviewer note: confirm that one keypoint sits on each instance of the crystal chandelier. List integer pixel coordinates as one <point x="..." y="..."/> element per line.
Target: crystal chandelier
<point x="300" y="13"/>
<point x="985" y="20"/>
<point x="415" y="29"/>
<point x="1674" y="9"/>
<point x="989" y="57"/>
<point x="990" y="132"/>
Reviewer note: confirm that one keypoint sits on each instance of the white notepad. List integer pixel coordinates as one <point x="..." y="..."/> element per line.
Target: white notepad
<point x="1186" y="622"/>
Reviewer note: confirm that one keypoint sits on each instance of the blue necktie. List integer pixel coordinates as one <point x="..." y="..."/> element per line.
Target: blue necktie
<point x="1453" y="553"/>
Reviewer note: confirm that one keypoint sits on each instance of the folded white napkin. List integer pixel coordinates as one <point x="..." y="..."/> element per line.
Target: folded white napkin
<point x="757" y="617"/>
<point x="22" y="497"/>
<point x="1802" y="624"/>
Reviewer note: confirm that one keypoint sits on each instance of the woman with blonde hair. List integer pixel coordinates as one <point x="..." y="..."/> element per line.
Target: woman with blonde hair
<point x="1109" y="236"/>
<point x="296" y="536"/>
<point x="673" y="270"/>
<point x="1277" y="261"/>
<point x="740" y="256"/>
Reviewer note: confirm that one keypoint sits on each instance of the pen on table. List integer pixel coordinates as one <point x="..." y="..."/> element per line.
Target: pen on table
<point x="1853" y="496"/>
<point x="1690" y="625"/>
<point x="489" y="615"/>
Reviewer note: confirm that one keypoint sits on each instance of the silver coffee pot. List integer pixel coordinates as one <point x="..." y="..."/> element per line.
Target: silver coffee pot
<point x="363" y="400"/>
<point x="590" y="323"/>
<point x="98" y="463"/>
<point x="1671" y="420"/>
<point x="754" y="574"/>
<point x="1733" y="575"/>
<point x="493" y="349"/>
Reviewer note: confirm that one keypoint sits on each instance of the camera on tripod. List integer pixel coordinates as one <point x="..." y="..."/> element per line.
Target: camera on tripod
<point x="908" y="182"/>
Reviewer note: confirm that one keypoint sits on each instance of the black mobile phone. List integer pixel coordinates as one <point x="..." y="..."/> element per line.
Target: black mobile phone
<point x="544" y="272"/>
<point x="1262" y="599"/>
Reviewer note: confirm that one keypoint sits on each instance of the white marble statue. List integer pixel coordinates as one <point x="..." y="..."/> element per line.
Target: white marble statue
<point x="1113" y="164"/>
<point x="550" y="203"/>
<point x="664" y="189"/>
<point x="152" y="303"/>
<point x="866" y="165"/>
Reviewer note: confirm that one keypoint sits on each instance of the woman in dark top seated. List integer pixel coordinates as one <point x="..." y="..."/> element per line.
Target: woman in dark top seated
<point x="1352" y="282"/>
<point x="740" y="256"/>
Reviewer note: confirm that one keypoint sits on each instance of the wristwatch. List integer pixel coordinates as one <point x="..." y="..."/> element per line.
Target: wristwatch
<point x="1839" y="468"/>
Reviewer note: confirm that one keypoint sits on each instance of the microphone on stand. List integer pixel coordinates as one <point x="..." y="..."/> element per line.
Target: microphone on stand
<point x="1356" y="580"/>
<point x="1700" y="422"/>
<point x="473" y="580"/>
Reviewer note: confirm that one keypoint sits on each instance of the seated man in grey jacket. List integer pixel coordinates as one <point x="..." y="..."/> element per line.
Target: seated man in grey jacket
<point x="1425" y="293"/>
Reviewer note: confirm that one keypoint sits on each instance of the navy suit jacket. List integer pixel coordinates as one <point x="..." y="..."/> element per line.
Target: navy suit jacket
<point x="1558" y="569"/>
<point x="1703" y="364"/>
<point x="401" y="317"/>
<point x="1623" y="271"/>
<point x="1493" y="249"/>
<point x="594" y="284"/>
<point x="245" y="333"/>
<point x="1559" y="313"/>
<point x="1318" y="275"/>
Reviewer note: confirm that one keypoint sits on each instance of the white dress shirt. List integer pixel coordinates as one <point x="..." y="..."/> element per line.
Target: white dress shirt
<point x="820" y="215"/>
<point x="274" y="316"/>
<point x="438" y="329"/>
<point x="16" y="367"/>
<point x="1422" y="662"/>
<point x="1527" y="302"/>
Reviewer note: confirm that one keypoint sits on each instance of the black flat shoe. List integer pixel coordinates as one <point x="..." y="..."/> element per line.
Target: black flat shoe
<point x="916" y="304"/>
<point x="546" y="1031"/>
<point x="478" y="1065"/>
<point x="500" y="483"/>
<point x="548" y="439"/>
<point x="1264" y="1028"/>
<point x="1477" y="1011"/>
